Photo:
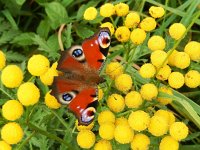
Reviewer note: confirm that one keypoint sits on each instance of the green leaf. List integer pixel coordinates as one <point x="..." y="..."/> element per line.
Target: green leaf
<point x="189" y="147"/>
<point x="20" y="2"/>
<point x="43" y="28"/>
<point x="14" y="56"/>
<point x="83" y="31"/>
<point x="8" y="36"/>
<point x="10" y="19"/>
<point x="68" y="36"/>
<point x="24" y="39"/>
<point x="56" y="14"/>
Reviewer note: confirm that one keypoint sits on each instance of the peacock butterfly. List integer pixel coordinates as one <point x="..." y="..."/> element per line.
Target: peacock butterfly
<point x="76" y="85"/>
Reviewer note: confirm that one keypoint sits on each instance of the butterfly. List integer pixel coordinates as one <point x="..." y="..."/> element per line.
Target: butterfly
<point x="76" y="85"/>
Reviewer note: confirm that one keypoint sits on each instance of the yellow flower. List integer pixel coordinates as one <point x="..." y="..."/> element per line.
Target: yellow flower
<point x="193" y="50"/>
<point x="168" y="143"/>
<point x="132" y="20"/>
<point x="171" y="118"/>
<point x="122" y="34"/>
<point x="12" y="133"/>
<point x="158" y="57"/>
<point x="5" y="146"/>
<point x="140" y="142"/>
<point x="178" y="130"/>
<point x="149" y="91"/>
<point x="85" y="139"/>
<point x="156" y="42"/>
<point x="109" y="26"/>
<point x="168" y="116"/>
<point x="121" y="120"/>
<point x="192" y="79"/>
<point x="106" y="131"/>
<point x="12" y="110"/>
<point x="158" y="125"/>
<point x="139" y="120"/>
<point x="28" y="94"/>
<point x="90" y="13"/>
<point x="123" y="82"/>
<point x="114" y="69"/>
<point x="133" y="99"/>
<point x="176" y="80"/>
<point x="107" y="10"/>
<point x="103" y="145"/>
<point x="38" y="65"/>
<point x="116" y="103"/>
<point x="106" y="116"/>
<point x="47" y="77"/>
<point x="148" y="24"/>
<point x="100" y="93"/>
<point x="166" y="90"/>
<point x="51" y="101"/>
<point x="156" y="12"/>
<point x="12" y="76"/>
<point x="177" y="30"/>
<point x="123" y="134"/>
<point x="121" y="9"/>
<point x="182" y="60"/>
<point x="138" y="36"/>
<point x="163" y="73"/>
<point x="147" y="70"/>
<point x="171" y="57"/>
<point x="84" y="127"/>
<point x="2" y="60"/>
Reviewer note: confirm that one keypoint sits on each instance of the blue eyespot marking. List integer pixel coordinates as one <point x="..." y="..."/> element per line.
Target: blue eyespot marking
<point x="67" y="97"/>
<point x="77" y="53"/>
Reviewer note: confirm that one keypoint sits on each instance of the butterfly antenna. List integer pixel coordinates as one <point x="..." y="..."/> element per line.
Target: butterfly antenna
<point x="60" y="37"/>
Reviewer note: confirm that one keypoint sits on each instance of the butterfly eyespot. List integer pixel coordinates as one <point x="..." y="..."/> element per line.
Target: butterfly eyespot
<point x="77" y="53"/>
<point x="104" y="39"/>
<point x="66" y="98"/>
<point x="88" y="115"/>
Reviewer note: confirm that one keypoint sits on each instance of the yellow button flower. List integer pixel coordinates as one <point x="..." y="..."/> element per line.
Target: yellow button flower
<point x="51" y="101"/>
<point x="139" y="120"/>
<point x="106" y="131"/>
<point x="47" y="77"/>
<point x="132" y="20"/>
<point x="107" y="10"/>
<point x="103" y="145"/>
<point x="121" y="120"/>
<point x="156" y="42"/>
<point x="148" y="24"/>
<point x="177" y="30"/>
<point x="149" y="91"/>
<point x="164" y="114"/>
<point x="2" y="60"/>
<point x="123" y="82"/>
<point x="116" y="103"/>
<point x="168" y="142"/>
<point x="83" y="127"/>
<point x="100" y="93"/>
<point x="147" y="70"/>
<point x="12" y="133"/>
<point x="90" y="13"/>
<point x="12" y="110"/>
<point x="193" y="50"/>
<point x="182" y="60"/>
<point x="114" y="69"/>
<point x="158" y="57"/>
<point x="122" y="34"/>
<point x="38" y="65"/>
<point x="156" y="12"/>
<point x="167" y="90"/>
<point x="109" y="26"/>
<point x="163" y="73"/>
<point x="172" y="118"/>
<point x="172" y="57"/>
<point x="85" y="139"/>
<point x="138" y="36"/>
<point x="28" y="94"/>
<point x="140" y="142"/>
<point x="106" y="116"/>
<point x="158" y="125"/>
<point x="178" y="130"/>
<point x="5" y="146"/>
<point x="12" y="76"/>
<point x="176" y="80"/>
<point x="192" y="79"/>
<point x="121" y="9"/>
<point x="123" y="134"/>
<point x="133" y="99"/>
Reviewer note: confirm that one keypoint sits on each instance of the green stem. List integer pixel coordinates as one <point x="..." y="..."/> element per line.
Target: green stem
<point x="6" y="93"/>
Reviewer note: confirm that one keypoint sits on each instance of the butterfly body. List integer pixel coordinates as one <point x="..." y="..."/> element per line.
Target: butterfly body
<point x="76" y="85"/>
